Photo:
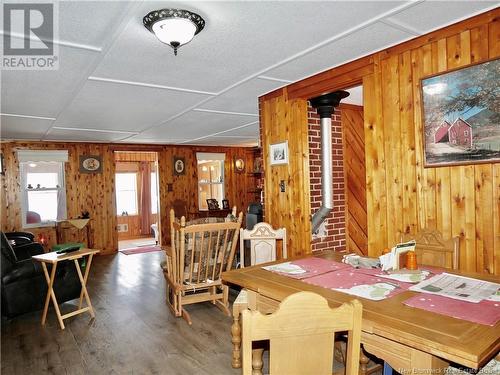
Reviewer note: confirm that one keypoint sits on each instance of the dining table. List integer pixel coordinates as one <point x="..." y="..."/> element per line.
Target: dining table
<point x="411" y="340"/>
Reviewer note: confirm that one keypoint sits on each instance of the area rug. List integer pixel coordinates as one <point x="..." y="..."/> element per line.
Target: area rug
<point x="140" y="250"/>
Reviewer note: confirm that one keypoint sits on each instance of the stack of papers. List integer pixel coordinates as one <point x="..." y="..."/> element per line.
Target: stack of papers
<point x="458" y="287"/>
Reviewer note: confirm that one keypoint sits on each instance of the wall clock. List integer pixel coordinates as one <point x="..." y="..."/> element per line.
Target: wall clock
<point x="90" y="164"/>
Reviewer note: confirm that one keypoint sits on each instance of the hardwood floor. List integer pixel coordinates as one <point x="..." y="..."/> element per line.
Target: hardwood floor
<point x="133" y="333"/>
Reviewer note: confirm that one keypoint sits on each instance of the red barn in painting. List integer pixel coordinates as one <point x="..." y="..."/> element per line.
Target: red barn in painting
<point x="441" y="134"/>
<point x="457" y="134"/>
<point x="460" y="133"/>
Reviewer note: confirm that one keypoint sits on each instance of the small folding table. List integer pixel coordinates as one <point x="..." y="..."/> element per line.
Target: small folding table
<point x="54" y="258"/>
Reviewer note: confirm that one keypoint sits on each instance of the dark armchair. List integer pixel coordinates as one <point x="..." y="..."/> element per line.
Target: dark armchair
<point x="23" y="285"/>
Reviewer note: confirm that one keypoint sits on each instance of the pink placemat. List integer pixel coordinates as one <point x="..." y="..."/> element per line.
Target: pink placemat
<point x="348" y="278"/>
<point x="314" y="266"/>
<point x="484" y="312"/>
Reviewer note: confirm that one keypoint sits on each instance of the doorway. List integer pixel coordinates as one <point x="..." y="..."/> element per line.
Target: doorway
<point x="137" y="199"/>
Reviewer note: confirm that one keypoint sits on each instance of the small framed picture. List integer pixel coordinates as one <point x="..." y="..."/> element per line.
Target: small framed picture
<point x="239" y="165"/>
<point x="225" y="204"/>
<point x="212" y="204"/>
<point x="278" y="153"/>
<point x="179" y="166"/>
<point x="90" y="164"/>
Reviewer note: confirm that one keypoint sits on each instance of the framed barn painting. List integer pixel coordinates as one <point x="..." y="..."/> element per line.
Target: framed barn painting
<point x="461" y="114"/>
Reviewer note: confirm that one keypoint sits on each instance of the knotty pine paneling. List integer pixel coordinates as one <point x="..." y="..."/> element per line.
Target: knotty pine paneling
<point x="91" y="192"/>
<point x="354" y="175"/>
<point x="286" y="120"/>
<point x="402" y="195"/>
<point x="134" y="226"/>
<point x="96" y="192"/>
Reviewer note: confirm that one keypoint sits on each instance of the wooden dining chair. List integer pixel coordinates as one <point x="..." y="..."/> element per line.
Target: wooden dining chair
<point x="301" y="336"/>
<point x="433" y="250"/>
<point x="198" y="255"/>
<point x="262" y="240"/>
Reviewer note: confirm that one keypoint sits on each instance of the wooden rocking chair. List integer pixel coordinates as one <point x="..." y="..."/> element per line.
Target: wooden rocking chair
<point x="198" y="255"/>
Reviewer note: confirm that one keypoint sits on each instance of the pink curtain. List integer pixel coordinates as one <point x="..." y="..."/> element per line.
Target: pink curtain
<point x="145" y="201"/>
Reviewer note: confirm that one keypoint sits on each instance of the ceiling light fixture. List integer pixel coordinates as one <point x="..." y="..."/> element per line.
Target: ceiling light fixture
<point x="174" y="27"/>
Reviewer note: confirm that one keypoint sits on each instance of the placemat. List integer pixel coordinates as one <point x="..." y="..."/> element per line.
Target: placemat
<point x="358" y="283"/>
<point x="485" y="312"/>
<point x="313" y="266"/>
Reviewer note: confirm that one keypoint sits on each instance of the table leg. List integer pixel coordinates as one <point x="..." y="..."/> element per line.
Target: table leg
<point x="236" y="340"/>
<point x="257" y="362"/>
<point x="90" y="243"/>
<point x="363" y="362"/>
<point x="83" y="281"/>
<point x="51" y="294"/>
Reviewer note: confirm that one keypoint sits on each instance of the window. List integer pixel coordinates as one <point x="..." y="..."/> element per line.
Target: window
<point x="154" y="193"/>
<point x="466" y="133"/>
<point x="126" y="193"/>
<point x="42" y="187"/>
<point x="210" y="178"/>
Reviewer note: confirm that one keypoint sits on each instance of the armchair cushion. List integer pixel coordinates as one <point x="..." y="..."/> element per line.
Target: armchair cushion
<point x="26" y="251"/>
<point x="23" y="270"/>
<point x="20" y="238"/>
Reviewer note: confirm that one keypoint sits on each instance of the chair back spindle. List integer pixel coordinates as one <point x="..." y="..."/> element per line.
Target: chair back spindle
<point x="198" y="255"/>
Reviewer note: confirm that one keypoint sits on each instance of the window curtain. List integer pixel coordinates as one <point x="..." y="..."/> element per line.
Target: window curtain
<point x="61" y="204"/>
<point x="145" y="201"/>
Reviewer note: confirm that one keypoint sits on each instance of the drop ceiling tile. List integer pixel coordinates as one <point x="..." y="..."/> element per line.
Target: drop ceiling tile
<point x="240" y="39"/>
<point x="243" y="98"/>
<point x="23" y="128"/>
<point x="370" y="39"/>
<point x="198" y="124"/>
<point x="165" y="139"/>
<point x="114" y="106"/>
<point x="89" y="22"/>
<point x="247" y="131"/>
<point x="431" y="15"/>
<point x="82" y="136"/>
<point x="225" y="141"/>
<point x="44" y="93"/>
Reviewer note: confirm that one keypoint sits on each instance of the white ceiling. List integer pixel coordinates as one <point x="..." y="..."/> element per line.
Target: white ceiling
<point x="117" y="83"/>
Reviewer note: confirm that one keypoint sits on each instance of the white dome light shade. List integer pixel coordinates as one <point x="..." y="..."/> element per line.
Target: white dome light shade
<point x="174" y="30"/>
<point x="174" y="27"/>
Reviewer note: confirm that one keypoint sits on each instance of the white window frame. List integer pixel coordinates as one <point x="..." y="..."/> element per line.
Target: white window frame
<point x="25" y="190"/>
<point x="136" y="195"/>
<point x="211" y="157"/>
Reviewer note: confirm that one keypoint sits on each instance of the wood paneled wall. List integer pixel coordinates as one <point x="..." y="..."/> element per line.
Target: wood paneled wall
<point x="134" y="226"/>
<point x="355" y="178"/>
<point x="91" y="192"/>
<point x="402" y="195"/>
<point x="95" y="192"/>
<point x="286" y="120"/>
